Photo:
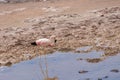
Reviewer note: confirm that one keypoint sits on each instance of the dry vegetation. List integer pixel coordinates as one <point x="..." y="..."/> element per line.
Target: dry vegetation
<point x="100" y="29"/>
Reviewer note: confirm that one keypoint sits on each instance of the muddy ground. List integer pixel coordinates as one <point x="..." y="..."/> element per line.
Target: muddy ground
<point x="97" y="28"/>
<point x="23" y="1"/>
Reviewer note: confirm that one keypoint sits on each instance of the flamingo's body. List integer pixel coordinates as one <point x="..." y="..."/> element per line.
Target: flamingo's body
<point x="45" y="42"/>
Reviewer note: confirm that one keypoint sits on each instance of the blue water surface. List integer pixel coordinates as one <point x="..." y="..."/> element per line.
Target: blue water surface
<point x="65" y="66"/>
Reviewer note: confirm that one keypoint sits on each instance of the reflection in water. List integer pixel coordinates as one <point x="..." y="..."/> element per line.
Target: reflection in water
<point x="65" y="66"/>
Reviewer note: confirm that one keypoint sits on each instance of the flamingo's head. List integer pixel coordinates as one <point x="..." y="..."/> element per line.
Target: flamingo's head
<point x="53" y="37"/>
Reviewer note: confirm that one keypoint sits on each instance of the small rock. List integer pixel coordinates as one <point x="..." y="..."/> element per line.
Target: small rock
<point x="8" y="63"/>
<point x="83" y="71"/>
<point x="99" y="78"/>
<point x="79" y="59"/>
<point x="94" y="60"/>
<point x="105" y="77"/>
<point x="115" y="70"/>
<point x="102" y="15"/>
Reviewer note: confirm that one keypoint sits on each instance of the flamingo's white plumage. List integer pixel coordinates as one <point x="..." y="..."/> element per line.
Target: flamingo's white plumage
<point x="45" y="41"/>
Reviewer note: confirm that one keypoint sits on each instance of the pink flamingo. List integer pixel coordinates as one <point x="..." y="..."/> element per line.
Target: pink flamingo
<point x="43" y="42"/>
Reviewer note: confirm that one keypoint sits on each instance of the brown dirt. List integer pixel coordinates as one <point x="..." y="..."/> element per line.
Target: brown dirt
<point x="33" y="9"/>
<point x="98" y="28"/>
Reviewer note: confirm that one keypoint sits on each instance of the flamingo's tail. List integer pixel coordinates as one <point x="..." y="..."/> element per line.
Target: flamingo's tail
<point x="33" y="43"/>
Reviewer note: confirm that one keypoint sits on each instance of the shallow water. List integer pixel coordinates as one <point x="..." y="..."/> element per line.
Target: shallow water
<point x="66" y="67"/>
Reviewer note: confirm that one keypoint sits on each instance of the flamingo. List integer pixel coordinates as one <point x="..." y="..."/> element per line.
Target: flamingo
<point x="43" y="42"/>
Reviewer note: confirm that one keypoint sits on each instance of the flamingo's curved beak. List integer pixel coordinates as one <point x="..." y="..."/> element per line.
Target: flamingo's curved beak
<point x="55" y="41"/>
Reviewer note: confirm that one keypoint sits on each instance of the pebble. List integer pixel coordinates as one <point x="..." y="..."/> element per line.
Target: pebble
<point x="99" y="78"/>
<point x="114" y="70"/>
<point x="106" y="77"/>
<point x="8" y="63"/>
<point x="82" y="71"/>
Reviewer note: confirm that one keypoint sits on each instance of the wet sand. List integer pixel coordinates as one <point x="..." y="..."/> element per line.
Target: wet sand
<point x="74" y="24"/>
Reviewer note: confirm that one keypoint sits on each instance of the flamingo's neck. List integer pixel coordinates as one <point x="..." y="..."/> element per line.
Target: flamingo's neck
<point x="52" y="39"/>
